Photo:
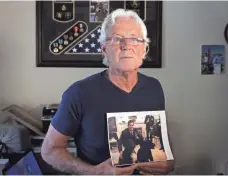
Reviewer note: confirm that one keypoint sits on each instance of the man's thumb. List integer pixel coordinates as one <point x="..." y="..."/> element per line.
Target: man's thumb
<point x="109" y="161"/>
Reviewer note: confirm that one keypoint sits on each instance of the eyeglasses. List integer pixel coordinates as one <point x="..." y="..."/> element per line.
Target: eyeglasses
<point x="116" y="40"/>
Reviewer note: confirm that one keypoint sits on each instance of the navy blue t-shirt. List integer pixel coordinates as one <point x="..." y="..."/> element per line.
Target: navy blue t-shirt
<point x="82" y="111"/>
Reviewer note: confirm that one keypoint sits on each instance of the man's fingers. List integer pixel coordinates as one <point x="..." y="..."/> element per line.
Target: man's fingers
<point x="157" y="167"/>
<point x="126" y="170"/>
<point x="123" y="170"/>
<point x="162" y="168"/>
<point x="151" y="170"/>
<point x="108" y="161"/>
<point x="149" y="164"/>
<point x="157" y="164"/>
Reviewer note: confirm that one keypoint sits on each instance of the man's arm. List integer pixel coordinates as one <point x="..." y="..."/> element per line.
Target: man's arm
<point x="54" y="151"/>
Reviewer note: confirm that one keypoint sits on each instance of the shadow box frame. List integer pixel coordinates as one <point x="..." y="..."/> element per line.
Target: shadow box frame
<point x="44" y="61"/>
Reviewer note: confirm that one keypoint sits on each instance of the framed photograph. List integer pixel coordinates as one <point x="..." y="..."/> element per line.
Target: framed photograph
<point x="67" y="32"/>
<point x="98" y="10"/>
<point x="212" y="59"/>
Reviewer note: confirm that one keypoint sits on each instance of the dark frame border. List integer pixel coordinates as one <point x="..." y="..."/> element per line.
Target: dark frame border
<point x="56" y="63"/>
<point x="226" y="33"/>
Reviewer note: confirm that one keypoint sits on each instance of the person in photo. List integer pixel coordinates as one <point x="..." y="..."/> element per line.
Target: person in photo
<point x="129" y="138"/>
<point x="157" y="133"/>
<point x="149" y="121"/>
<point x="100" y="11"/>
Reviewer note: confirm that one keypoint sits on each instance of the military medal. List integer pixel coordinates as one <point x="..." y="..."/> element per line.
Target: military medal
<point x="60" y="47"/>
<point x="65" y="42"/>
<point x="60" y="41"/>
<point x="75" y="28"/>
<point x="55" y="44"/>
<point x="59" y="15"/>
<point x="65" y="36"/>
<point x="68" y="15"/>
<point x="75" y="34"/>
<point x="63" y="8"/>
<point x="71" y="38"/>
<point x="81" y="28"/>
<point x="55" y="50"/>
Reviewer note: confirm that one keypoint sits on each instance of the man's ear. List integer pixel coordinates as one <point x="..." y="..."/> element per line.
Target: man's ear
<point x="146" y="51"/>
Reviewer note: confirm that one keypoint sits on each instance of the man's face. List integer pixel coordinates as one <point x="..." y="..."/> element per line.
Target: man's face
<point x="125" y="56"/>
<point x="131" y="126"/>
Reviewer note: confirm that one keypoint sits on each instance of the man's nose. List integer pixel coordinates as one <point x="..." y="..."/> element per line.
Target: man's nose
<point x="125" y="44"/>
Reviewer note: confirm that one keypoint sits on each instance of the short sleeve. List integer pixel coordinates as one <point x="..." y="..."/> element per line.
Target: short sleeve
<point x="68" y="116"/>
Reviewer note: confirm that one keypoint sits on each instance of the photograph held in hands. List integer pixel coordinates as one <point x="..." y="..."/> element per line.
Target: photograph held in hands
<point x="137" y="137"/>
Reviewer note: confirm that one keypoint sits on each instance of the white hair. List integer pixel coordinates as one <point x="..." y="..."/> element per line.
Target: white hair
<point x="111" y="19"/>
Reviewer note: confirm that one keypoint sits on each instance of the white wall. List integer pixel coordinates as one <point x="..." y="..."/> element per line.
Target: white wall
<point x="196" y="104"/>
<point x="1" y="63"/>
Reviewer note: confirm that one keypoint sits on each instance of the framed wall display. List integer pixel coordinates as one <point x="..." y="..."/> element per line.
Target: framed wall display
<point x="68" y="31"/>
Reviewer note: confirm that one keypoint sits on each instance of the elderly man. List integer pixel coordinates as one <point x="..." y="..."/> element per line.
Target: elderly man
<point x="120" y="88"/>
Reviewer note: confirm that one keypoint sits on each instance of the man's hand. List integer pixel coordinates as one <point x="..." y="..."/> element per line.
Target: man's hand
<point x="106" y="168"/>
<point x="159" y="167"/>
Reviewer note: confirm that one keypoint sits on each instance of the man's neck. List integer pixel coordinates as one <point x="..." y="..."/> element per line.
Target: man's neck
<point x="124" y="80"/>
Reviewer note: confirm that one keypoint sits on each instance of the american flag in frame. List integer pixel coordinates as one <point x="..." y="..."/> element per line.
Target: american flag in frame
<point x="90" y="44"/>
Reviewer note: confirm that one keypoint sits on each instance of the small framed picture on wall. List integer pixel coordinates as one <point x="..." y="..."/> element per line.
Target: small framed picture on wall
<point x="212" y="59"/>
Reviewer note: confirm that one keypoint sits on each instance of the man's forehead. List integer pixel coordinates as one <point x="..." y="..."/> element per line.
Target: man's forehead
<point x="124" y="34"/>
<point x="131" y="29"/>
<point x="129" y="32"/>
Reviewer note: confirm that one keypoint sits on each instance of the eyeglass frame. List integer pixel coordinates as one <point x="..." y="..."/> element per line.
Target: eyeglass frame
<point x="138" y="39"/>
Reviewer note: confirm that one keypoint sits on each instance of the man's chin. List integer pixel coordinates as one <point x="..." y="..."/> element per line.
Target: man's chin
<point x="128" y="68"/>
